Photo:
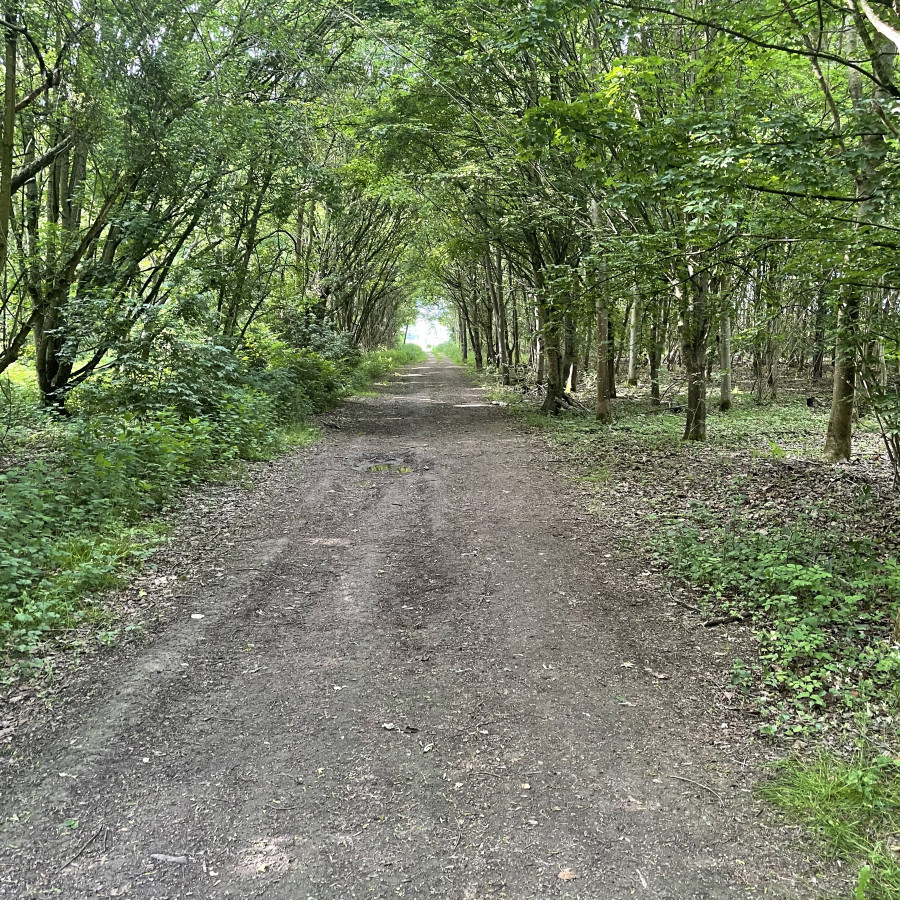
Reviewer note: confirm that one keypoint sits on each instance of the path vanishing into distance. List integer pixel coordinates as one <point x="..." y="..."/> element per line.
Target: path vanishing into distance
<point x="420" y="671"/>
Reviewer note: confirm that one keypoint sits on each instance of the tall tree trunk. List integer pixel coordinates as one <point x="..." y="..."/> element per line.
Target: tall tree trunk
<point x="7" y="140"/>
<point x="725" y="362"/>
<point x="838" y="437"/>
<point x="475" y="337"/>
<point x="515" y="325"/>
<point x="694" y="332"/>
<point x="659" y="323"/>
<point x="603" y="409"/>
<point x="554" y="352"/>
<point x="570" y="366"/>
<point x="818" y="355"/>
<point x="611" y="361"/>
<point x="634" y="340"/>
<point x="494" y="271"/>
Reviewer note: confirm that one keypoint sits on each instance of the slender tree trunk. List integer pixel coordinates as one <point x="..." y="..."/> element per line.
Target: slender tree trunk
<point x="515" y="324"/>
<point x="659" y="325"/>
<point x="500" y="316"/>
<point x="7" y="140"/>
<point x="611" y="362"/>
<point x="475" y="338"/>
<point x="588" y="346"/>
<point x="653" y="356"/>
<point x="603" y="410"/>
<point x="554" y="352"/>
<point x="694" y="331"/>
<point x="818" y="354"/>
<point x="634" y="340"/>
<point x="725" y="362"/>
<point x="838" y="437"/>
<point x="570" y="368"/>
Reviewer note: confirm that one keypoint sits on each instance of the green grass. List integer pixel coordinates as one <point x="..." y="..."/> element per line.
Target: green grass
<point x="379" y="363"/>
<point x="853" y="805"/>
<point x="451" y="351"/>
<point x="300" y="435"/>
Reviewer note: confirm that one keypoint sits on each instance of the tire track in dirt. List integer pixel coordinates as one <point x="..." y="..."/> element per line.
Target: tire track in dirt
<point x="421" y="569"/>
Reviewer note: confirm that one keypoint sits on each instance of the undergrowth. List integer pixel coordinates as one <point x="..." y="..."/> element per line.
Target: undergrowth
<point x="80" y="491"/>
<point x="823" y="600"/>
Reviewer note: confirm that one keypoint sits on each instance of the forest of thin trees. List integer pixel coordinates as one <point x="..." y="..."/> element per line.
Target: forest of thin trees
<point x="591" y="186"/>
<point x="210" y="214"/>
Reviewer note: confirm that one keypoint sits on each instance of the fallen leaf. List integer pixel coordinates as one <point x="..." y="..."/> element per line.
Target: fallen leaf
<point x="627" y="665"/>
<point x="567" y="875"/>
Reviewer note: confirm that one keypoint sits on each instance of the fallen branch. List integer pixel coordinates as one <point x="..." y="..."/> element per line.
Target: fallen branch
<point x="84" y="847"/>
<point x="727" y="620"/>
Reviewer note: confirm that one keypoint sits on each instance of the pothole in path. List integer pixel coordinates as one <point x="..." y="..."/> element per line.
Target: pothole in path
<point x="398" y="464"/>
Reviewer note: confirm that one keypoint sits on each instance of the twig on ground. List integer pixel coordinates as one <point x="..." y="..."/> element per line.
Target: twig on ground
<point x="705" y="787"/>
<point x="689" y="606"/>
<point x="458" y="836"/>
<point x="81" y="850"/>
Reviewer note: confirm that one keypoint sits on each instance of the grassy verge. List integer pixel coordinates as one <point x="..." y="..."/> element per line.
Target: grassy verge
<point x="752" y="528"/>
<point x="81" y="495"/>
<point x="853" y="805"/>
<point x="451" y="351"/>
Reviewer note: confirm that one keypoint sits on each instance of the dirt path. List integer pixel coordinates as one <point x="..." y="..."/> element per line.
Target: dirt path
<point x="411" y="680"/>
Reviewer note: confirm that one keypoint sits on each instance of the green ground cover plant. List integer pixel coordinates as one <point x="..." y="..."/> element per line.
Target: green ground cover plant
<point x="852" y="804"/>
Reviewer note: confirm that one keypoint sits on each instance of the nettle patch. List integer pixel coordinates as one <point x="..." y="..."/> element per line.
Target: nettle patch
<point x="823" y="602"/>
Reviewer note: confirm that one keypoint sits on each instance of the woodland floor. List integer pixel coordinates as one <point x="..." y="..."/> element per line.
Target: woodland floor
<point x="390" y="669"/>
